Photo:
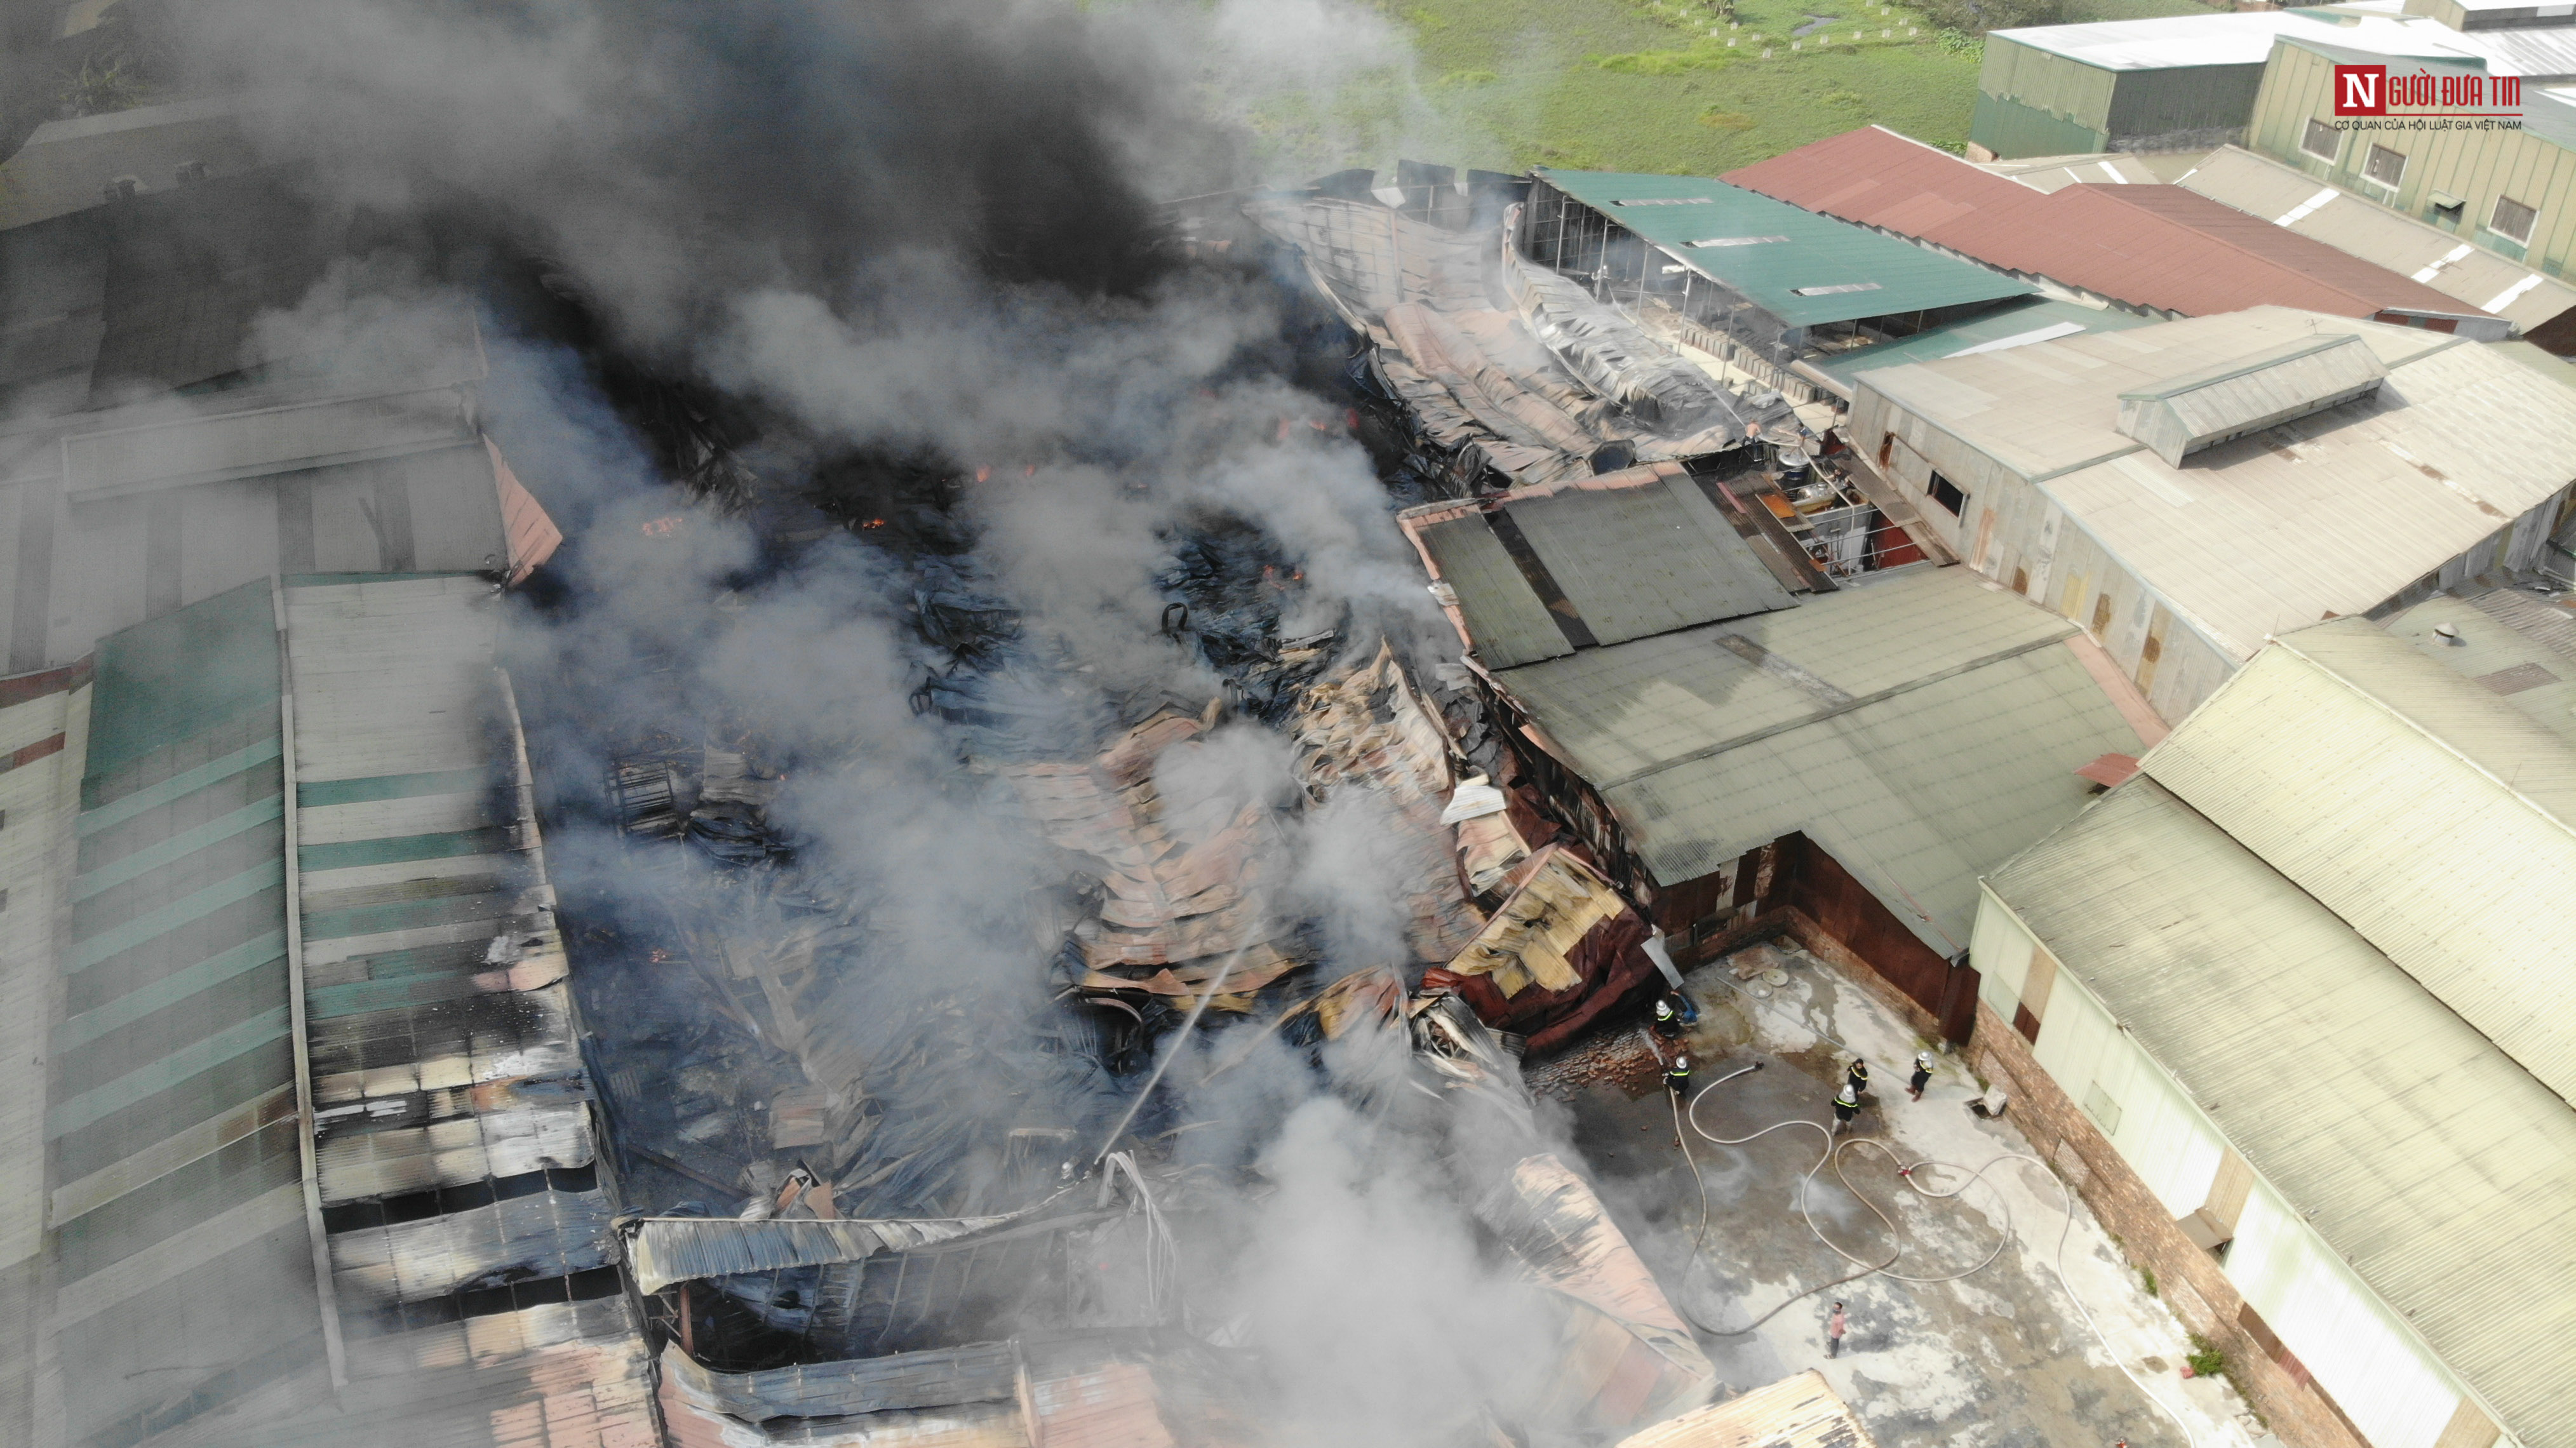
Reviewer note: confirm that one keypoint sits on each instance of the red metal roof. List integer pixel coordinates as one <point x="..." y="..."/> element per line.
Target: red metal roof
<point x="2149" y="246"/>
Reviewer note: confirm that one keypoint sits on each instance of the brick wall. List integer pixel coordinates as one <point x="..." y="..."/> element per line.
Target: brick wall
<point x="2188" y="1278"/>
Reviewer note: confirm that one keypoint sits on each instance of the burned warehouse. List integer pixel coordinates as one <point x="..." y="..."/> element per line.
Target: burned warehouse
<point x="829" y="727"/>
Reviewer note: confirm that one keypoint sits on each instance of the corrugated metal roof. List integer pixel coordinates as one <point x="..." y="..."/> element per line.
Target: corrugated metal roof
<point x="2181" y="415"/>
<point x="2331" y="515"/>
<point x="2538" y="53"/>
<point x="1823" y="272"/>
<point x="2235" y="38"/>
<point x="664" y="1250"/>
<point x="2423" y="809"/>
<point x="1959" y="726"/>
<point x="1795" y="1412"/>
<point x="1632" y="553"/>
<point x="2289" y="198"/>
<point x="2037" y="320"/>
<point x="2144" y="246"/>
<point x="979" y="1372"/>
<point x="444" y="1056"/>
<point x="174" y="1148"/>
<point x="2052" y="173"/>
<point x="2415" y="1146"/>
<point x="2517" y="646"/>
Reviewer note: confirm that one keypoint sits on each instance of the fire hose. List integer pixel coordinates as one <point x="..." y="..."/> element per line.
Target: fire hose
<point x="1905" y="1172"/>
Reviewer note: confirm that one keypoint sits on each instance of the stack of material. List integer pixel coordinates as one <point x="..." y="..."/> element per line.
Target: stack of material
<point x="1561" y="952"/>
<point x="1182" y="901"/>
<point x="1368" y="728"/>
<point x="1501" y="363"/>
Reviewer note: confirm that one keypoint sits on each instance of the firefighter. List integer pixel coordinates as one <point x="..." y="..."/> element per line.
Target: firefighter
<point x="1922" y="1075"/>
<point x="1677" y="1078"/>
<point x="1856" y="1077"/>
<point x="1846" y="1106"/>
<point x="1674" y="1014"/>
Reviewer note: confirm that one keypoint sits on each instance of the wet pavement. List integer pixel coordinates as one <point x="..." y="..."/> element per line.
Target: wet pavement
<point x="2000" y="1356"/>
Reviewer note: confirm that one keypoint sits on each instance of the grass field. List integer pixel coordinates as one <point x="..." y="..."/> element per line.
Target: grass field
<point x="1654" y="85"/>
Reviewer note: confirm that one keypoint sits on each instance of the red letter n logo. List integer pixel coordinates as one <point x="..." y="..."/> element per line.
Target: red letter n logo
<point x="2361" y="90"/>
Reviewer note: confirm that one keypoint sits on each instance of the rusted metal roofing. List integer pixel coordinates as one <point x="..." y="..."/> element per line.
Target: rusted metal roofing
<point x="1627" y="1356"/>
<point x="1799" y="1412"/>
<point x="2293" y="200"/>
<point x="2160" y="247"/>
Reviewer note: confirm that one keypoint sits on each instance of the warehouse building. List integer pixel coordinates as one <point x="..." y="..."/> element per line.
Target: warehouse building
<point x="2287" y="1006"/>
<point x="2173" y="83"/>
<point x="2185" y="491"/>
<point x="2543" y="308"/>
<point x="1762" y="288"/>
<point x="2507" y="190"/>
<point x="2156" y="250"/>
<point x="1840" y="763"/>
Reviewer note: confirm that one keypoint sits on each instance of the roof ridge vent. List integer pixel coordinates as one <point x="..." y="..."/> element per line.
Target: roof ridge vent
<point x="2182" y="415"/>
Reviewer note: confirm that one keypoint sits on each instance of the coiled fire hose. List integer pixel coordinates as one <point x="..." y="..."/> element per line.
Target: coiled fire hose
<point x="1905" y="1172"/>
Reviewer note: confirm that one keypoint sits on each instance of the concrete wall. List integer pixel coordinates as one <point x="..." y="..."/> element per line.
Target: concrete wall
<point x="2345" y="1371"/>
<point x="2475" y="165"/>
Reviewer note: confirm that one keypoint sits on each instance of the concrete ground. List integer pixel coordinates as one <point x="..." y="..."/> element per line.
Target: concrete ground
<point x="1999" y="1358"/>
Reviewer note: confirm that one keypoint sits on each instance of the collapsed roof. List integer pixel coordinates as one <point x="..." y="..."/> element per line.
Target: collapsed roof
<point x="1497" y="358"/>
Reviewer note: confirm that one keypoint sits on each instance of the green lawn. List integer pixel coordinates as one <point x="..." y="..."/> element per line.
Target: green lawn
<point x="1644" y="85"/>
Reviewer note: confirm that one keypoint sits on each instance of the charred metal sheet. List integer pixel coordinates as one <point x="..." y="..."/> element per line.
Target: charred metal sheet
<point x="978" y="1372"/>
<point x="665" y="1250"/>
<point x="547" y="1234"/>
<point x="1553" y="1222"/>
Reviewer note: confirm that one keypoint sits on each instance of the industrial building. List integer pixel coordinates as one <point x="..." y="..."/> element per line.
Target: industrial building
<point x="2285" y="1004"/>
<point x="72" y="165"/>
<point x="2172" y="83"/>
<point x="307" y="1148"/>
<point x="2187" y="490"/>
<point x="1765" y="289"/>
<point x="2157" y="250"/>
<point x="2541" y="307"/>
<point x="2507" y="190"/>
<point x="1850" y="760"/>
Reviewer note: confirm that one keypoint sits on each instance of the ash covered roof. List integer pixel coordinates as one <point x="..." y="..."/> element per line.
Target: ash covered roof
<point x="1600" y="561"/>
<point x="1922" y="727"/>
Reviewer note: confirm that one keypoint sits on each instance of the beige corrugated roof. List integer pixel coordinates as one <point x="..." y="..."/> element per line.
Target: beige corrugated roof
<point x="1920" y="727"/>
<point x="2426" y="811"/>
<point x="2330" y="514"/>
<point x="2443" y="1173"/>
<point x="2448" y="264"/>
<point x="1796" y="1412"/>
<point x="2519" y="647"/>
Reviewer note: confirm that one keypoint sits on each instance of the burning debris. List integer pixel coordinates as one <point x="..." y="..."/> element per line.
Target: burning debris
<point x="1504" y="372"/>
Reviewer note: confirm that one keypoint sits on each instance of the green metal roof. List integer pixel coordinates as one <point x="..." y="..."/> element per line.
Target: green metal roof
<point x="174" y="1150"/>
<point x="2049" y="319"/>
<point x="1800" y="278"/>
